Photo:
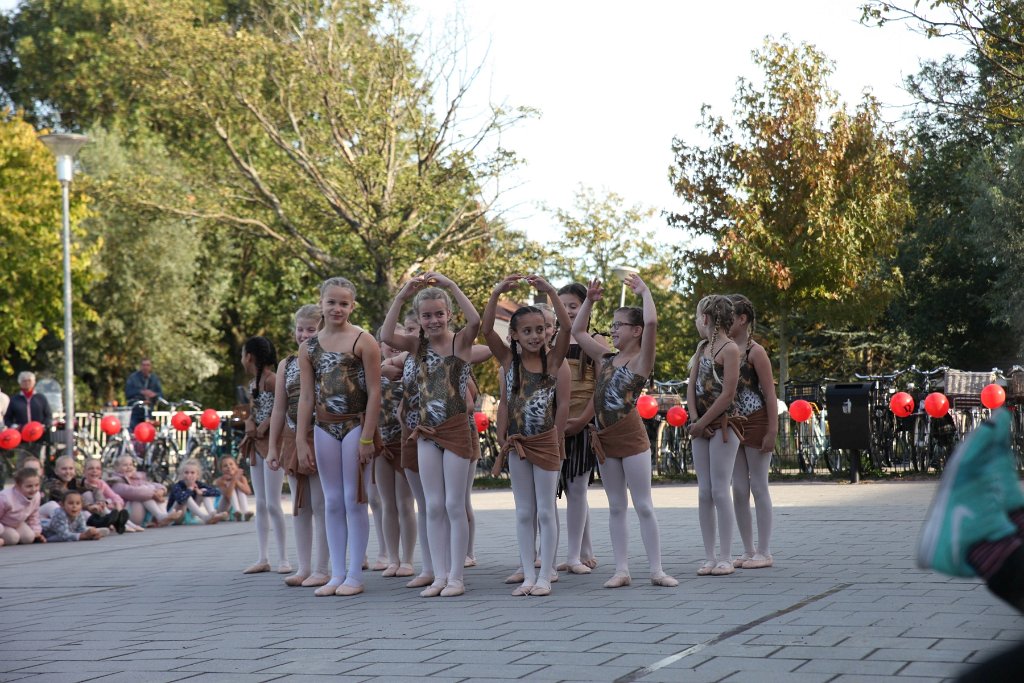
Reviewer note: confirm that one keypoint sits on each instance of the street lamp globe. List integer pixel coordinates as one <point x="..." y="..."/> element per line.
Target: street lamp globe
<point x="621" y="271"/>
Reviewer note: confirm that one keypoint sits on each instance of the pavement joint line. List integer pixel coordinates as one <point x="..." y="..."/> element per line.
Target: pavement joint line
<point x="694" y="649"/>
<point x="99" y="589"/>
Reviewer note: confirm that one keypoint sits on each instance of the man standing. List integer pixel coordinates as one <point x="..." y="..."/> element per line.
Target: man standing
<point x="29" y="406"/>
<point x="142" y="385"/>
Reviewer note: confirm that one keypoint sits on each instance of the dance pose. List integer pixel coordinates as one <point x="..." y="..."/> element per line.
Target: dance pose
<point x="340" y="372"/>
<point x="536" y="393"/>
<point x="620" y="440"/>
<point x="443" y="435"/>
<point x="717" y="431"/>
<point x="303" y="479"/>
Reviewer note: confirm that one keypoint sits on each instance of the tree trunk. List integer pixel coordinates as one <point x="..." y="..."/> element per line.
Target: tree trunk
<point x="783" y="356"/>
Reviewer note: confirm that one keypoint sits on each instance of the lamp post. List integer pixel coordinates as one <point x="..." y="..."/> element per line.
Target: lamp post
<point x="621" y="272"/>
<point x="64" y="146"/>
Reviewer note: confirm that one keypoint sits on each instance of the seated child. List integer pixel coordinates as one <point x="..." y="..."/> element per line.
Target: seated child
<point x="140" y="495"/>
<point x="64" y="479"/>
<point x="19" y="510"/>
<point x="33" y="462"/>
<point x="103" y="507"/>
<point x="234" y="489"/>
<point x="68" y="522"/>
<point x="191" y="494"/>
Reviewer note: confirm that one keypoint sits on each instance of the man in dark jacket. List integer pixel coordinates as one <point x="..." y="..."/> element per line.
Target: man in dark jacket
<point x="142" y="385"/>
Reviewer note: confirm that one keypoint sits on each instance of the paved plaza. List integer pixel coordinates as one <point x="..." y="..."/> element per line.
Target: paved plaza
<point x="844" y="602"/>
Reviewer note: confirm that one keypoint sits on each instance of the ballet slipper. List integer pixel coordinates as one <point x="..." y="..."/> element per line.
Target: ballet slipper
<point x="564" y="567"/>
<point x="316" y="580"/>
<point x="591" y="562"/>
<point x="518" y="577"/>
<point x="390" y="570"/>
<point x="453" y="589"/>
<point x="325" y="590"/>
<point x="379" y="566"/>
<point x="295" y="579"/>
<point x="554" y="577"/>
<point x="541" y="590"/>
<point x="347" y="590"/>
<point x="579" y="569"/>
<point x="405" y="570"/>
<point x="470" y="561"/>
<point x="433" y="590"/>
<point x="523" y="590"/>
<point x="759" y="561"/>
<point x="705" y="569"/>
<point x="723" y="569"/>
<point x="663" y="579"/>
<point x="257" y="568"/>
<point x="421" y="581"/>
<point x="618" y="580"/>
<point x="284" y="568"/>
<point x="738" y="562"/>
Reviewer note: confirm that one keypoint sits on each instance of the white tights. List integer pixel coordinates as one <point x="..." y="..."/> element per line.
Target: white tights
<point x="200" y="511"/>
<point x="416" y="486"/>
<point x="444" y="475"/>
<point x="750" y="475"/>
<point x="534" y="491"/>
<point x="308" y="523"/>
<point x="398" y="514"/>
<point x="138" y="509"/>
<point x="471" y="472"/>
<point x="713" y="461"/>
<point x="577" y="519"/>
<point x="347" y="520"/>
<point x="237" y="501"/>
<point x="266" y="486"/>
<point x="633" y="473"/>
<point x="373" y="499"/>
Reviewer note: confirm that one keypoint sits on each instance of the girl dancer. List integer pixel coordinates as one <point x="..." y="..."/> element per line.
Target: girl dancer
<point x="303" y="479"/>
<point x="537" y="393"/>
<point x="620" y="440"/>
<point x="444" y="437"/>
<point x="258" y="360"/>
<point x="398" y="511"/>
<point x="754" y="394"/>
<point x="340" y="370"/>
<point x="717" y="432"/>
<point x="578" y="467"/>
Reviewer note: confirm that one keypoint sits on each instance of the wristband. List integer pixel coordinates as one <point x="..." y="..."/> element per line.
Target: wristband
<point x="365" y="442"/>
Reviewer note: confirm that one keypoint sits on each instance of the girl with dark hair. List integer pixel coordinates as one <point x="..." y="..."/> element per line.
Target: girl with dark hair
<point x="619" y="439"/>
<point x="537" y="406"/>
<point x="578" y="467"/>
<point x="717" y="431"/>
<point x="443" y="436"/>
<point x="339" y="377"/>
<point x="259" y="359"/>
<point x="755" y="400"/>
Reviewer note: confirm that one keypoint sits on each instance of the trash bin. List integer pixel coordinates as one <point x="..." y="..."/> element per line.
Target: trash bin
<point x="849" y="424"/>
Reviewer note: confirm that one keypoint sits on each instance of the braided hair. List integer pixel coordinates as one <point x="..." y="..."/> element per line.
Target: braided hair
<point x="743" y="306"/>
<point x="722" y="313"/>
<point x="517" y="362"/>
<point x="263" y="355"/>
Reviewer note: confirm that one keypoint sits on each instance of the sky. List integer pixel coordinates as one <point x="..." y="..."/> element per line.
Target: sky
<point x="615" y="82"/>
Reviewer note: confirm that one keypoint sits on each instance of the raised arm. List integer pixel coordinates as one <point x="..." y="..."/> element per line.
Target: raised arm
<point x="494" y="341"/>
<point x="564" y="336"/>
<point x="579" y="326"/>
<point x="277" y="415"/>
<point x="644" y="362"/>
<point x="387" y="332"/>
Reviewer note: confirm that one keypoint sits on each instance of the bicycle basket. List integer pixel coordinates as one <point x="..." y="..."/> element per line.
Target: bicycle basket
<point x="666" y="401"/>
<point x="1015" y="386"/>
<point x="963" y="389"/>
<point x="807" y="391"/>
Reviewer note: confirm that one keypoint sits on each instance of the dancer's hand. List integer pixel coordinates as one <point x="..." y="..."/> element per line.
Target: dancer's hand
<point x="634" y="282"/>
<point x="768" y="445"/>
<point x="437" y="280"/>
<point x="595" y="292"/>
<point x="539" y="283"/>
<point x="411" y="287"/>
<point x="509" y="283"/>
<point x="366" y="451"/>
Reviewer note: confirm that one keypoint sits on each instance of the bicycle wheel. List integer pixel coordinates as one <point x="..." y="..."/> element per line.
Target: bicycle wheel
<point x="833" y="457"/>
<point x="111" y="452"/>
<point x="670" y="463"/>
<point x="163" y="463"/>
<point x="1018" y="436"/>
<point x="903" y="450"/>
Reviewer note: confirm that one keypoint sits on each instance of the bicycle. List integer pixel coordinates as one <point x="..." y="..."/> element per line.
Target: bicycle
<point x="671" y="452"/>
<point x="882" y="422"/>
<point x="813" y="444"/>
<point x="1015" y="403"/>
<point x="120" y="444"/>
<point x="932" y="438"/>
<point x="85" y="447"/>
<point x="162" y="456"/>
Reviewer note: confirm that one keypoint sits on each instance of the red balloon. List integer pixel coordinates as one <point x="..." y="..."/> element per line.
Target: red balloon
<point x="33" y="431"/>
<point x="10" y="438"/>
<point x="482" y="421"/>
<point x="902" y="404"/>
<point x="181" y="421"/>
<point x="210" y="419"/>
<point x="110" y="425"/>
<point x="936" y="404"/>
<point x="647" y="406"/>
<point x="676" y="416"/>
<point x="145" y="432"/>
<point x="800" y="410"/>
<point x="993" y="396"/>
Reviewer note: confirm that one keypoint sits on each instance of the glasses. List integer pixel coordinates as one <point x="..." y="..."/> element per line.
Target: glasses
<point x="617" y="325"/>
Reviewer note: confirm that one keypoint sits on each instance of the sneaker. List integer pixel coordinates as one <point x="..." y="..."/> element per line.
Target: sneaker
<point x="120" y="520"/>
<point x="968" y="506"/>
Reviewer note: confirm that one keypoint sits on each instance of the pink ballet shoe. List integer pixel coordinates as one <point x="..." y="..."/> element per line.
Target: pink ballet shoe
<point x="518" y="577"/>
<point x="433" y="590"/>
<point x="618" y="580"/>
<point x="257" y="568"/>
<point x="405" y="570"/>
<point x="759" y="561"/>
<point x="579" y="569"/>
<point x="522" y="590"/>
<point x="316" y="580"/>
<point x="347" y="590"/>
<point x="540" y="590"/>
<point x="420" y="581"/>
<point x="295" y="580"/>
<point x="663" y="579"/>
<point x="390" y="570"/>
<point x="453" y="589"/>
<point x="723" y="569"/>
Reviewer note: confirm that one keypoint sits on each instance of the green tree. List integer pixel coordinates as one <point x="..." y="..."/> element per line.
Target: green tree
<point x="802" y="200"/>
<point x="31" y="272"/>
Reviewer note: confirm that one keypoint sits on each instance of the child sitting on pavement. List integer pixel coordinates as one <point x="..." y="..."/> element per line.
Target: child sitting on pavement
<point x="103" y="507"/>
<point x="140" y="495"/>
<point x="68" y="522"/>
<point x="193" y="495"/>
<point x="54" y="488"/>
<point x="19" y="510"/>
<point x="234" y="489"/>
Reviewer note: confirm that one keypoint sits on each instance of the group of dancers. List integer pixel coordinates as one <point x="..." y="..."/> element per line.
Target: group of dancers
<point x="350" y="414"/>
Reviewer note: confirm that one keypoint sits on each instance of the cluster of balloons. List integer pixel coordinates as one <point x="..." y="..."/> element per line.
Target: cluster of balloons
<point x="937" y="405"/>
<point x="647" y="406"/>
<point x="11" y="438"/>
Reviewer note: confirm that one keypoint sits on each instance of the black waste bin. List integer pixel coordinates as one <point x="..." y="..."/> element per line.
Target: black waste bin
<point x="849" y="425"/>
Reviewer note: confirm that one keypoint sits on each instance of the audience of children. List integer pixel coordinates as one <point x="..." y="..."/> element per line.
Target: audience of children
<point x="67" y="523"/>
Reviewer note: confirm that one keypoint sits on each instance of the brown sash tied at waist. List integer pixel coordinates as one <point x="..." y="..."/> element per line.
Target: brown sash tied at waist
<point x="724" y="423"/>
<point x="620" y="440"/>
<point x="453" y="435"/>
<point x="755" y="429"/>
<point x="325" y="417"/>
<point x="392" y="453"/>
<point x="543" y="450"/>
<point x="256" y="440"/>
<point x="289" y="454"/>
<point x="410" y="453"/>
